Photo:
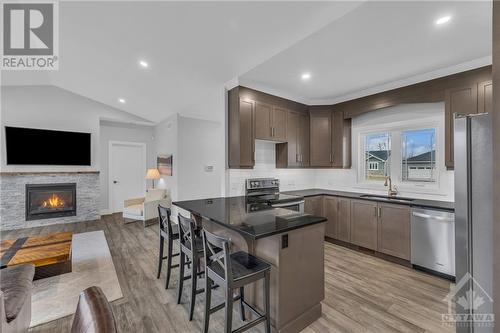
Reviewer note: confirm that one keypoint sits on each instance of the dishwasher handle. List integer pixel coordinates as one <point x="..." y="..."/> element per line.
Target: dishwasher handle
<point x="433" y="217"/>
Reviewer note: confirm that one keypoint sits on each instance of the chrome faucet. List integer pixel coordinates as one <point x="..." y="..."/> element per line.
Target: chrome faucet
<point x="391" y="191"/>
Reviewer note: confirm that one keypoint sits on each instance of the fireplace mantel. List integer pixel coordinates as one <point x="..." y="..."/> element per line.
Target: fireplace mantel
<point x="41" y="173"/>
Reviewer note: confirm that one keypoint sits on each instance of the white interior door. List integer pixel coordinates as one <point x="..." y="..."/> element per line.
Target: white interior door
<point x="127" y="169"/>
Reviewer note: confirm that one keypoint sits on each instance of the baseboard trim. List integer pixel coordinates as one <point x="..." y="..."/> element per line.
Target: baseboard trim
<point x="105" y="212"/>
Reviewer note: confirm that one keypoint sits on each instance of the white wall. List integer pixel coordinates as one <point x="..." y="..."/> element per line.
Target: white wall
<point x="53" y="108"/>
<point x="199" y="147"/>
<point x="110" y="131"/>
<point x="166" y="144"/>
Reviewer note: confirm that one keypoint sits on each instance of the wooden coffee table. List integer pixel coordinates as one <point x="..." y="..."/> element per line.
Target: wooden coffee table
<point x="51" y="254"/>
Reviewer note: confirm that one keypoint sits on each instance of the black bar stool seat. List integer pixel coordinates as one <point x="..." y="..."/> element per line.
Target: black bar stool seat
<point x="244" y="266"/>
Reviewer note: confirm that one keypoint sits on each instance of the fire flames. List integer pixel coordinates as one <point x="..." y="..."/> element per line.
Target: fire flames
<point x="53" y="202"/>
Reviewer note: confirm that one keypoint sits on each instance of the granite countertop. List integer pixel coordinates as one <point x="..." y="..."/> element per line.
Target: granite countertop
<point x="232" y="213"/>
<point x="444" y="205"/>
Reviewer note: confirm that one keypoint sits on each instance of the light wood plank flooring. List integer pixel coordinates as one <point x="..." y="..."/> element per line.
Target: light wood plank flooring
<point x="363" y="293"/>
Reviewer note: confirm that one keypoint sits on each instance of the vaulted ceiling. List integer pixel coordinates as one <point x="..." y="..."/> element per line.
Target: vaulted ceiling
<point x="193" y="48"/>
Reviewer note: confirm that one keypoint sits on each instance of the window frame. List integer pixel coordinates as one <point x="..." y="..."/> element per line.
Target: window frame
<point x="395" y="131"/>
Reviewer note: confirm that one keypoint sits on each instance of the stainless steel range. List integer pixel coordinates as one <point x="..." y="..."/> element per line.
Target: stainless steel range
<point x="264" y="193"/>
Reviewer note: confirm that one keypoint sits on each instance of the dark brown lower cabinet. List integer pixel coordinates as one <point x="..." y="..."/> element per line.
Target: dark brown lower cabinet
<point x="314" y="205"/>
<point x="344" y="219"/>
<point x="394" y="230"/>
<point x="331" y="205"/>
<point x="364" y="223"/>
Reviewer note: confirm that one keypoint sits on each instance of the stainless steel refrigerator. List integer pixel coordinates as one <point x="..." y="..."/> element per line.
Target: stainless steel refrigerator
<point x="473" y="222"/>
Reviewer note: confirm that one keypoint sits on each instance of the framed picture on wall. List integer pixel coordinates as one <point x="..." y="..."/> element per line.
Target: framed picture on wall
<point x="164" y="164"/>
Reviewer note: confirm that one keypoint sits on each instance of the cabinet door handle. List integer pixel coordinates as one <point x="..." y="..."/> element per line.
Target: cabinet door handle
<point x="330" y="157"/>
<point x="379" y="211"/>
<point x="375" y="211"/>
<point x="297" y="158"/>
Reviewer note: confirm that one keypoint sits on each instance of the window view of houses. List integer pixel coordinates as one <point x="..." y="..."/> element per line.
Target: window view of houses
<point x="417" y="152"/>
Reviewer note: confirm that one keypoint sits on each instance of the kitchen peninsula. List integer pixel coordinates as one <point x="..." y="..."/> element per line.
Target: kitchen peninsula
<point x="292" y="242"/>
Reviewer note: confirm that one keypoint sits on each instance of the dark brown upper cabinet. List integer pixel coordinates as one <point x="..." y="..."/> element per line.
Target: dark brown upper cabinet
<point x="330" y="137"/>
<point x="263" y="121"/>
<point x="485" y="97"/>
<point x="270" y="122"/>
<point x="473" y="98"/>
<point x="241" y="145"/>
<point x="321" y="137"/>
<point x="295" y="152"/>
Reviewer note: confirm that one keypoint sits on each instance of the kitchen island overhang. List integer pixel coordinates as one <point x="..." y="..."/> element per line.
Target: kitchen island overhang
<point x="291" y="242"/>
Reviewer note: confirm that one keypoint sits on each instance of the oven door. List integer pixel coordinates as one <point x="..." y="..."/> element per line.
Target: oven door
<point x="297" y="206"/>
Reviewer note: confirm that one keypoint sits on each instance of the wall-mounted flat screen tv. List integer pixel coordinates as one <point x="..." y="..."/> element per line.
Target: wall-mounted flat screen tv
<point x="30" y="146"/>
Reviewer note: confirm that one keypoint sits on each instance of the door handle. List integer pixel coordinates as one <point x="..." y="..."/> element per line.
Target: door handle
<point x="115" y="182"/>
<point x="379" y="211"/>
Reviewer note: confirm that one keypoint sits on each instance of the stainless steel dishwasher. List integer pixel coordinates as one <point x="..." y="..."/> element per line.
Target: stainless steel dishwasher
<point x="433" y="240"/>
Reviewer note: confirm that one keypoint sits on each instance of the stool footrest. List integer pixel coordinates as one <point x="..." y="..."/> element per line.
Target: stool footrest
<point x="173" y="255"/>
<point x="250" y="324"/>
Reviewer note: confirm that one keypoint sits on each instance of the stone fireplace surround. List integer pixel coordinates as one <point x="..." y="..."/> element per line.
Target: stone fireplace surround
<point x="13" y="197"/>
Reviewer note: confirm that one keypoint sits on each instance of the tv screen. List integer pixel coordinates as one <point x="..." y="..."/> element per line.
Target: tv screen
<point x="45" y="147"/>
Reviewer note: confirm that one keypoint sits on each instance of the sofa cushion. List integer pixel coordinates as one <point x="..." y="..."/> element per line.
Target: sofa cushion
<point x="16" y="283"/>
<point x="136" y="210"/>
<point x="155" y="194"/>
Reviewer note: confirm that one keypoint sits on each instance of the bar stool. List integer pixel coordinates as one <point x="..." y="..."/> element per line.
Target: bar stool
<point x="170" y="233"/>
<point x="191" y="246"/>
<point x="233" y="271"/>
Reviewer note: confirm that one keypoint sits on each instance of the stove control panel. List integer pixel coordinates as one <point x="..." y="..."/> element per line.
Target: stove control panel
<point x="262" y="183"/>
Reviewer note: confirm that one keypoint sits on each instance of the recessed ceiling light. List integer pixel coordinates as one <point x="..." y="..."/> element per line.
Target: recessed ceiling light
<point x="143" y="64"/>
<point x="306" y="76"/>
<point x="443" y="20"/>
<point x="121" y="100"/>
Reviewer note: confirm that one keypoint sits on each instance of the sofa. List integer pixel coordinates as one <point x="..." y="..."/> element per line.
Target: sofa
<point x="16" y="285"/>
<point x="146" y="208"/>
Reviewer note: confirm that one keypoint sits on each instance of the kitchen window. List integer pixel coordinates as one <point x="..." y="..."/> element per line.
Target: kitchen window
<point x="407" y="155"/>
<point x="418" y="155"/>
<point x="377" y="153"/>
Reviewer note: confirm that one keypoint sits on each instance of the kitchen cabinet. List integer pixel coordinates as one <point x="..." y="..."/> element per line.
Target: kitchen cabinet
<point x="394" y="230"/>
<point x="279" y="116"/>
<point x="330" y="210"/>
<point x="304" y="140"/>
<point x="270" y="122"/>
<point x="364" y="223"/>
<point x="344" y="219"/>
<point x="485" y="97"/>
<point x="472" y="98"/>
<point x="263" y="121"/>
<point x="314" y="205"/>
<point x="295" y="152"/>
<point x="241" y="145"/>
<point x="329" y="138"/>
<point x="321" y="137"/>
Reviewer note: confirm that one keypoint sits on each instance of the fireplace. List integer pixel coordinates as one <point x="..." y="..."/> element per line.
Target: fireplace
<point x="45" y="201"/>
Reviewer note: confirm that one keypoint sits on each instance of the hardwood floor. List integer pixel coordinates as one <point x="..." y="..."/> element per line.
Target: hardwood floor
<point x="363" y="293"/>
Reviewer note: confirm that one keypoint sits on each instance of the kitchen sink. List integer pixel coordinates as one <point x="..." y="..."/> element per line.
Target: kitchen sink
<point x="385" y="197"/>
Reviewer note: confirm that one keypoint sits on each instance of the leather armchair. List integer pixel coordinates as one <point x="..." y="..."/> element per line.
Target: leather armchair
<point x="93" y="313"/>
<point x="146" y="208"/>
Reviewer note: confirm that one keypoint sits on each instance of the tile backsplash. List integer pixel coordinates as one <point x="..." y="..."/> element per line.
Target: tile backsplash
<point x="265" y="167"/>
